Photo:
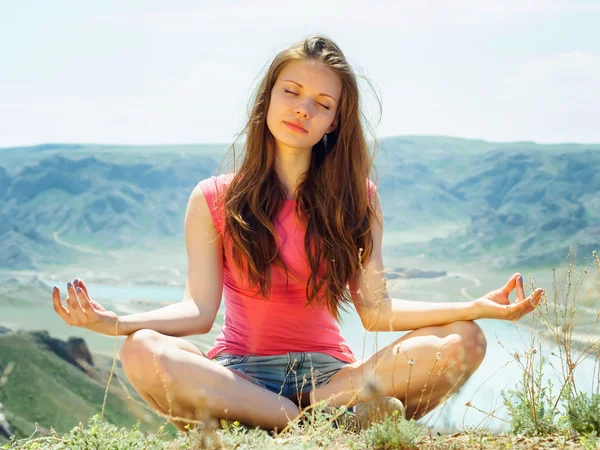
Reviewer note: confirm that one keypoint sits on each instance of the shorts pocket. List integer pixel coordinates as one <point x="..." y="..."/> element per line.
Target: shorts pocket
<point x="229" y="360"/>
<point x="323" y="370"/>
<point x="321" y="377"/>
<point x="238" y="359"/>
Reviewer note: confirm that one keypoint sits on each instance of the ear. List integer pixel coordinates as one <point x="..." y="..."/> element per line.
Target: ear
<point x="333" y="126"/>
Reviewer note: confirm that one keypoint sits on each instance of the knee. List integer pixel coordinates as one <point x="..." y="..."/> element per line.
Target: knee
<point x="139" y="352"/>
<point x="467" y="345"/>
<point x="472" y="336"/>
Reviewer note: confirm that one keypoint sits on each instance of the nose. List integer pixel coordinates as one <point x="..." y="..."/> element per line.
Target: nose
<point x="303" y="110"/>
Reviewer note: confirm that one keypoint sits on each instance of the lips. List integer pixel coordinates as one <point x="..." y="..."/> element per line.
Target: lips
<point x="295" y="127"/>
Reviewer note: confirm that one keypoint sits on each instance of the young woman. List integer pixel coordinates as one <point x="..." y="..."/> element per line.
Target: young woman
<point x="290" y="239"/>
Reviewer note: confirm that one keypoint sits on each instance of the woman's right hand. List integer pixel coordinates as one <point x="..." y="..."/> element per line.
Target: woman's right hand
<point x="83" y="311"/>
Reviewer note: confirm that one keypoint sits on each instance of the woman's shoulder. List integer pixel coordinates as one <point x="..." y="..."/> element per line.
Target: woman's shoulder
<point x="215" y="184"/>
<point x="213" y="189"/>
<point x="220" y="180"/>
<point x="371" y="188"/>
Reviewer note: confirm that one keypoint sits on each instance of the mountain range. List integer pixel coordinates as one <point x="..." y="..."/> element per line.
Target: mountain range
<point x="461" y="200"/>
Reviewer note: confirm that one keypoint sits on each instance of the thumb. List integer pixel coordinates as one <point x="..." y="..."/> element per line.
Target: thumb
<point x="511" y="284"/>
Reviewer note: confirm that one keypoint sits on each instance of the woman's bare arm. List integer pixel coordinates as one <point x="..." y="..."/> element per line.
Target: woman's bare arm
<point x="178" y="319"/>
<point x="379" y="312"/>
<point x="196" y="313"/>
<point x="201" y="300"/>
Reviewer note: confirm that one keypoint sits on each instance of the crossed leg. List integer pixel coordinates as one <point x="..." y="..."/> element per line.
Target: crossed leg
<point x="178" y="380"/>
<point x="421" y="369"/>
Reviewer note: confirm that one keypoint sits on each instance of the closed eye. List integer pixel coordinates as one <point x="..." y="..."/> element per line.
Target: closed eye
<point x="320" y="104"/>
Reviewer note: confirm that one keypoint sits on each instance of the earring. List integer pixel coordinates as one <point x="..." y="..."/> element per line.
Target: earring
<point x="325" y="140"/>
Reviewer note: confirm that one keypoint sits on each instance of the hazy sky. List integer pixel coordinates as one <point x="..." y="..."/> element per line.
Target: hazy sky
<point x="150" y="72"/>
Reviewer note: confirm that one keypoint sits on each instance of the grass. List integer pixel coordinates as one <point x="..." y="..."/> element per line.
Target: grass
<point x="540" y="414"/>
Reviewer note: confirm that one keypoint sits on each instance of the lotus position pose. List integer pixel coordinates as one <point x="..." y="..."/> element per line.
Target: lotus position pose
<point x="288" y="240"/>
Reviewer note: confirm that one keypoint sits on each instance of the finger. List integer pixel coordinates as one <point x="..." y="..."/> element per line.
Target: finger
<point x="58" y="306"/>
<point x="520" y="289"/>
<point x="75" y="309"/>
<point x="515" y="311"/>
<point x="525" y="309"/>
<point x="84" y="300"/>
<point x="510" y="284"/>
<point x="78" y="282"/>
<point x="94" y="305"/>
<point x="537" y="294"/>
<point x="527" y="305"/>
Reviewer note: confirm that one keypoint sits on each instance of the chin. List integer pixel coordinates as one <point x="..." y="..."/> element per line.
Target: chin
<point x="288" y="141"/>
<point x="292" y="144"/>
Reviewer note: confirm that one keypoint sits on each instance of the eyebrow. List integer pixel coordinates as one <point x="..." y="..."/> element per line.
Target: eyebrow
<point x="326" y="95"/>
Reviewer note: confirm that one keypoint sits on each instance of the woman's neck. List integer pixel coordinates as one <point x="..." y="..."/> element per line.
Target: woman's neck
<point x="291" y="166"/>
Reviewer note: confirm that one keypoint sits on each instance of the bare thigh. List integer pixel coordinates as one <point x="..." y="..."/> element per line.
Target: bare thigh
<point x="422" y="368"/>
<point x="176" y="378"/>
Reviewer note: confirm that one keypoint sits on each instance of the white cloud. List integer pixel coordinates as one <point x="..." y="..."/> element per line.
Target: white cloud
<point x="570" y="68"/>
<point x="557" y="97"/>
<point x="207" y="104"/>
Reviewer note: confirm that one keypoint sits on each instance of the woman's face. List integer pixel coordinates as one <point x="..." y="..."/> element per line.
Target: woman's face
<point x="305" y="93"/>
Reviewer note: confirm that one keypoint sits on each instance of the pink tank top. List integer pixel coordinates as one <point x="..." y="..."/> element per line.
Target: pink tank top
<point x="282" y="323"/>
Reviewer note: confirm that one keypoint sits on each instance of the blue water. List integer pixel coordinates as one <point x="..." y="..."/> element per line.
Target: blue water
<point x="483" y="389"/>
<point x="135" y="292"/>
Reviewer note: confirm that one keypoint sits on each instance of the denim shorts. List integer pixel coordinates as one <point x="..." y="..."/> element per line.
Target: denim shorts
<point x="286" y="374"/>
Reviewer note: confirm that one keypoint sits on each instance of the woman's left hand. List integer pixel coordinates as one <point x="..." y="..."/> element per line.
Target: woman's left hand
<point x="496" y="304"/>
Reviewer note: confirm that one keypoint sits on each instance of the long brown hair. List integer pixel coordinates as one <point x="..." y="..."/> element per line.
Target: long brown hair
<point x="332" y="198"/>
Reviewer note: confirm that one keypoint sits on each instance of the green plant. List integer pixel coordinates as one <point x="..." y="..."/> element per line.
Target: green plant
<point x="530" y="403"/>
<point x="239" y="436"/>
<point x="588" y="440"/>
<point x="583" y="412"/>
<point x="394" y="432"/>
<point x="97" y="434"/>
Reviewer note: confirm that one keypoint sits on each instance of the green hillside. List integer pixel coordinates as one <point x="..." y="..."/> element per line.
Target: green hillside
<point x="46" y="389"/>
